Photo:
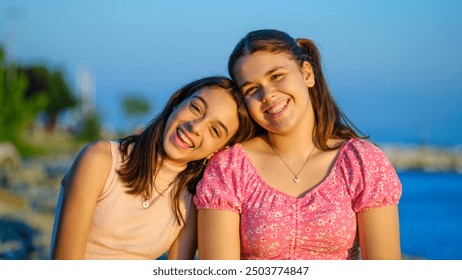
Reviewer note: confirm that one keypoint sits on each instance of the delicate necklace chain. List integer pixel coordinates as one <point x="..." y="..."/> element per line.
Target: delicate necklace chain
<point x="296" y="179"/>
<point x="146" y="201"/>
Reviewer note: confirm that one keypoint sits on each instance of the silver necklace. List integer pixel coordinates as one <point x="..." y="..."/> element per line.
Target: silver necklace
<point x="296" y="179"/>
<point x="146" y="201"/>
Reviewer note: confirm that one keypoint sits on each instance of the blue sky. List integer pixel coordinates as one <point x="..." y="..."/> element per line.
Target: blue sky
<point x="394" y="66"/>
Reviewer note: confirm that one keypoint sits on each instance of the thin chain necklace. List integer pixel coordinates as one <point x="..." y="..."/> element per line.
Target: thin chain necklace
<point x="146" y="201"/>
<point x="296" y="179"/>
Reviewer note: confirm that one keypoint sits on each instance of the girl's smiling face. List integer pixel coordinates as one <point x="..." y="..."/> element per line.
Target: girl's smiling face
<point x="200" y="125"/>
<point x="275" y="88"/>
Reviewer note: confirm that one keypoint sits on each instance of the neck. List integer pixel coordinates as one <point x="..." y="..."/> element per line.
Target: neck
<point x="174" y="163"/>
<point x="169" y="171"/>
<point x="298" y="139"/>
<point x="298" y="143"/>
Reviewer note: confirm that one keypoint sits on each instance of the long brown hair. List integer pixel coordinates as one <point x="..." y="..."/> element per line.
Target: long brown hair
<point x="330" y="121"/>
<point x="143" y="153"/>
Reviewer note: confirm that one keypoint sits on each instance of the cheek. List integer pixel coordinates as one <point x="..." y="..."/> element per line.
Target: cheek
<point x="209" y="146"/>
<point x="252" y="104"/>
<point x="173" y="116"/>
<point x="168" y="125"/>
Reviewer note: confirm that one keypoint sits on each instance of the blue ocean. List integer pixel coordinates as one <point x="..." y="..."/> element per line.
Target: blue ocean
<point x="431" y="215"/>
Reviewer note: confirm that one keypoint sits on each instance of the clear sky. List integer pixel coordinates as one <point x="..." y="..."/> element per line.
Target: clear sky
<point x="394" y="66"/>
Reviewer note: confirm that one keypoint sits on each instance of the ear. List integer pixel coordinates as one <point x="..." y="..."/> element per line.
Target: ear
<point x="308" y="74"/>
<point x="212" y="154"/>
<point x="207" y="159"/>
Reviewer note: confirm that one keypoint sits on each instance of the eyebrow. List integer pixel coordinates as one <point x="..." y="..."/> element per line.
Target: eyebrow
<point x="268" y="73"/>
<point x="218" y="121"/>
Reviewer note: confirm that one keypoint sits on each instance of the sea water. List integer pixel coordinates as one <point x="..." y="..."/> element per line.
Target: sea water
<point x="431" y="215"/>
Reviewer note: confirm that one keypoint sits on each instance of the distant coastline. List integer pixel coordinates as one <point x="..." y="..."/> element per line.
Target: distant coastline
<point x="424" y="157"/>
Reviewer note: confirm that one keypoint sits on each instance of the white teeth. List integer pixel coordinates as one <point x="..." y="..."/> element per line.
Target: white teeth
<point x="278" y="108"/>
<point x="184" y="138"/>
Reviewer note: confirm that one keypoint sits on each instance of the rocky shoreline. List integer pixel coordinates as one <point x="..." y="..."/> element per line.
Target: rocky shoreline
<point x="29" y="188"/>
<point x="427" y="158"/>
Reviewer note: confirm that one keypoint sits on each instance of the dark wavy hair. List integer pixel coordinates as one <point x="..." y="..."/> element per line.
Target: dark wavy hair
<point x="143" y="153"/>
<point x="330" y="121"/>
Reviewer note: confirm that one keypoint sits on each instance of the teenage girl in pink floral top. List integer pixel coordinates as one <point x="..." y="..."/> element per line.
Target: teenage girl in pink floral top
<point x="308" y="186"/>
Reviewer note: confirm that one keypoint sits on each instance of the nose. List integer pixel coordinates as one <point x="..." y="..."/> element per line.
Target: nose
<point x="196" y="126"/>
<point x="266" y="93"/>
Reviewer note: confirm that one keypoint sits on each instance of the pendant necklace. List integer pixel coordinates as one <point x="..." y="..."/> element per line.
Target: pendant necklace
<point x="296" y="179"/>
<point x="146" y="203"/>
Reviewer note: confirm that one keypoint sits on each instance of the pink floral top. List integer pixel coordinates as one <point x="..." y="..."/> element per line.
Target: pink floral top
<point x="319" y="225"/>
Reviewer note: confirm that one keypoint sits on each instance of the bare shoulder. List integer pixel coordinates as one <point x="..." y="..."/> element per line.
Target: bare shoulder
<point x="336" y="143"/>
<point x="258" y="150"/>
<point x="96" y="153"/>
<point x="94" y="159"/>
<point x="256" y="144"/>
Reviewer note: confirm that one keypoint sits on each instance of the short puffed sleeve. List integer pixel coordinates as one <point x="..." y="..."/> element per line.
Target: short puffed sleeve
<point x="222" y="184"/>
<point x="372" y="181"/>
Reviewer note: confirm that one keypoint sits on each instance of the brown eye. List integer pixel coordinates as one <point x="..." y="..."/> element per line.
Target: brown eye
<point x="215" y="131"/>
<point x="250" y="90"/>
<point x="195" y="108"/>
<point x="275" y="77"/>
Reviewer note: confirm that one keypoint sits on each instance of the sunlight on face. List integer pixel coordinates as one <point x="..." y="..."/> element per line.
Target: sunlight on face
<point x="200" y="125"/>
<point x="276" y="90"/>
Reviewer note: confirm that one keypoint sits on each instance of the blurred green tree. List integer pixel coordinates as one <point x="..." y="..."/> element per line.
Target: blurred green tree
<point x="54" y="86"/>
<point x="17" y="110"/>
<point x="135" y="106"/>
<point x="89" y="128"/>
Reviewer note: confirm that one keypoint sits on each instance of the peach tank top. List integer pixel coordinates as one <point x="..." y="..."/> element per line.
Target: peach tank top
<point x="122" y="228"/>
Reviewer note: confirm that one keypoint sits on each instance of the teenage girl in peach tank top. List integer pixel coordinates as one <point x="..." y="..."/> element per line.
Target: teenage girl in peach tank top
<point x="131" y="198"/>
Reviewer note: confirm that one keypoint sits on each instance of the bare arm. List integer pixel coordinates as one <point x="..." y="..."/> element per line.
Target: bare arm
<point x="85" y="182"/>
<point x="185" y="245"/>
<point x="218" y="235"/>
<point x="379" y="233"/>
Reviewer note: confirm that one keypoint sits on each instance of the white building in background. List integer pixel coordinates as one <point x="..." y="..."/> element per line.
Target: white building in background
<point x="85" y="89"/>
<point x="86" y="96"/>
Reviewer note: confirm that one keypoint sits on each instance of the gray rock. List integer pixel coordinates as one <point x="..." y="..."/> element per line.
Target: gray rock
<point x="16" y="239"/>
<point x="9" y="163"/>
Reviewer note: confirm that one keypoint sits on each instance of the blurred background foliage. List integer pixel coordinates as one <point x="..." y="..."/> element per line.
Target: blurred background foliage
<point x="135" y="107"/>
<point x="34" y="97"/>
<point x="51" y="84"/>
<point x="43" y="124"/>
<point x="18" y="110"/>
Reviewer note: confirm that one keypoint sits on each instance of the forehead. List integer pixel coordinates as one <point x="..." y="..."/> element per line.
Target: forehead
<point x="213" y="95"/>
<point x="259" y="63"/>
<point x="219" y="101"/>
